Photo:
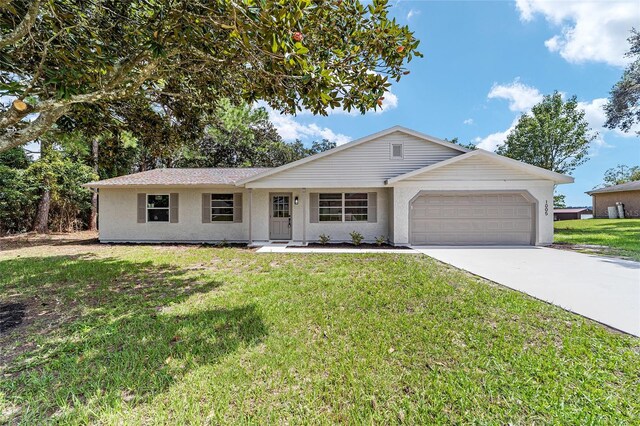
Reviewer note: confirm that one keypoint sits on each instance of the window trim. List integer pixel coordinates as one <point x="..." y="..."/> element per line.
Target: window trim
<point x="233" y="207"/>
<point x="396" y="157"/>
<point x="343" y="207"/>
<point x="168" y="208"/>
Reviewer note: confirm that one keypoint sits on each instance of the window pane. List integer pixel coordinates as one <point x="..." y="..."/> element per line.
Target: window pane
<point x="222" y="203"/>
<point x="222" y="211"/>
<point x="330" y="197"/>
<point x="328" y="203"/>
<point x="330" y="218"/>
<point x="356" y="210"/>
<point x="330" y="210"/>
<point x="356" y="196"/>
<point x="355" y="217"/>
<point x="228" y="197"/>
<point x="221" y="218"/>
<point x="355" y="203"/>
<point x="221" y="200"/>
<point x="158" y="215"/>
<point x="155" y="201"/>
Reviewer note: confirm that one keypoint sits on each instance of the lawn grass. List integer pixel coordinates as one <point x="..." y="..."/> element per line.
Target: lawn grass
<point x="621" y="237"/>
<point x="176" y="335"/>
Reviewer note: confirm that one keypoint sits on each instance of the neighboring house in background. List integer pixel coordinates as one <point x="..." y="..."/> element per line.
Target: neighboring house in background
<point x="625" y="193"/>
<point x="409" y="187"/>
<point x="572" y="213"/>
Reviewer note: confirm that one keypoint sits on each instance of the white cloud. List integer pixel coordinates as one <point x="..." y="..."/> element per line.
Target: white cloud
<point x="468" y="121"/>
<point x="390" y="102"/>
<point x="595" y="114"/>
<point x="412" y="13"/>
<point x="520" y="96"/>
<point x="590" y="30"/>
<point x="291" y="130"/>
<point x="494" y="140"/>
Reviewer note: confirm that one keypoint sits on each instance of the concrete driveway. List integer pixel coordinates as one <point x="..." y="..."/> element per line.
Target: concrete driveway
<point x="604" y="289"/>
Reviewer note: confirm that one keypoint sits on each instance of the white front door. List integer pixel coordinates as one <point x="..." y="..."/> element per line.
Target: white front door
<point x="280" y="217"/>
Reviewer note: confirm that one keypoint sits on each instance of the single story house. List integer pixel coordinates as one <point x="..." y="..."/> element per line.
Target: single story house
<point x="409" y="187"/>
<point x="572" y="213"/>
<point x="625" y="193"/>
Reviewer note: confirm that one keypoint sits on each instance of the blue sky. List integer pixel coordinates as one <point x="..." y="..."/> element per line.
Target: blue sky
<point x="486" y="62"/>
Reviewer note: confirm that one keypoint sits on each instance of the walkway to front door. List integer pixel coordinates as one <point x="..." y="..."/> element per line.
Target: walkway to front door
<point x="280" y="217"/>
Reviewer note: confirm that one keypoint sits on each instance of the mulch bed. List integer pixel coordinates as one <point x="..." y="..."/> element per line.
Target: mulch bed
<point x="361" y="246"/>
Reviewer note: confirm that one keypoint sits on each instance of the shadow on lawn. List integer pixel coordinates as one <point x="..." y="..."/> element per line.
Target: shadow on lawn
<point x="99" y="331"/>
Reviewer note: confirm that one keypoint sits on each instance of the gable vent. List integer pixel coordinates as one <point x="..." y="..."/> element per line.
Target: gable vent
<point x="397" y="151"/>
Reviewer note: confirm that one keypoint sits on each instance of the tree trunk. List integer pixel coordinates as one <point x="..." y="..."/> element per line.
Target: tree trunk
<point x="93" y="220"/>
<point x="41" y="225"/>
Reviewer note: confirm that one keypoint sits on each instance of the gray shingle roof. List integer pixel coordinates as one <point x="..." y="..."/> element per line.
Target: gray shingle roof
<point x="629" y="186"/>
<point x="162" y="177"/>
<point x="575" y="210"/>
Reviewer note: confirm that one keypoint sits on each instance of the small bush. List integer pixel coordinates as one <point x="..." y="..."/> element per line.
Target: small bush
<point x="223" y="243"/>
<point x="381" y="240"/>
<point x="356" y="238"/>
<point x="324" y="239"/>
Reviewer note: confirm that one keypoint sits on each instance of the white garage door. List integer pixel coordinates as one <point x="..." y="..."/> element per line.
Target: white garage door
<point x="470" y="219"/>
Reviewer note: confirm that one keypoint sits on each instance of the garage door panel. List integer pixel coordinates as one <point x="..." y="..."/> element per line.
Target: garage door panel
<point x="472" y="219"/>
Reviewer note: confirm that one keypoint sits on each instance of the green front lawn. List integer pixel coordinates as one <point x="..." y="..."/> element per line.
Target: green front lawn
<point x="173" y="335"/>
<point x="620" y="237"/>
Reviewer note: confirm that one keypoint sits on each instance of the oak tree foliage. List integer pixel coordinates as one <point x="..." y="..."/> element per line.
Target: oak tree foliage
<point x="623" y="108"/>
<point x="59" y="55"/>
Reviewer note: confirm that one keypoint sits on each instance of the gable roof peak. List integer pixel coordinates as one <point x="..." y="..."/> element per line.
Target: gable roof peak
<point x="382" y="133"/>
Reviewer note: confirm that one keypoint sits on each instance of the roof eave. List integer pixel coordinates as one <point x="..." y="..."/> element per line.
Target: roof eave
<point x="537" y="171"/>
<point x="159" y="185"/>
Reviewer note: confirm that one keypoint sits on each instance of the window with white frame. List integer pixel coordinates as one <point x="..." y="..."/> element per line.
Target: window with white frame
<point x="221" y="207"/>
<point x="343" y="207"/>
<point x="158" y="207"/>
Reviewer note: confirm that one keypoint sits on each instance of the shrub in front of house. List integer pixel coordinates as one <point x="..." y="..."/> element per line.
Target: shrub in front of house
<point x="356" y="238"/>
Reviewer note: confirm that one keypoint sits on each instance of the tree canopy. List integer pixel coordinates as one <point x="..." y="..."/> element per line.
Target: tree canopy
<point x="621" y="174"/>
<point x="61" y="55"/>
<point x="243" y="136"/>
<point x="623" y="108"/>
<point x="47" y="194"/>
<point x="554" y="136"/>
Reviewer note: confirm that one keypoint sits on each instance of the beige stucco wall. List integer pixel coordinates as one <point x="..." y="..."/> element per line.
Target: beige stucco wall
<point x="541" y="190"/>
<point x="118" y="218"/>
<point x="630" y="199"/>
<point x="303" y="230"/>
<point x="118" y="213"/>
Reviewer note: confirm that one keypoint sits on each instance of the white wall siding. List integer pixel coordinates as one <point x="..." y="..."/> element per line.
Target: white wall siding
<point x="118" y="218"/>
<point x="474" y="168"/>
<point x="365" y="165"/>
